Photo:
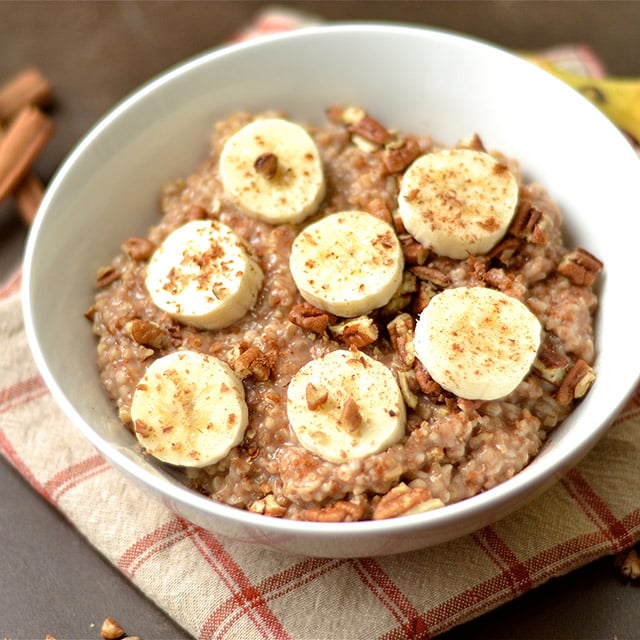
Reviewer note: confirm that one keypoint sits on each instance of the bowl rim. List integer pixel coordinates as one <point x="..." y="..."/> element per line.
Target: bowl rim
<point x="497" y="499"/>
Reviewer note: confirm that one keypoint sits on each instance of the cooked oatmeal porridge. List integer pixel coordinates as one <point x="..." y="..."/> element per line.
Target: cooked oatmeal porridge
<point x="307" y="436"/>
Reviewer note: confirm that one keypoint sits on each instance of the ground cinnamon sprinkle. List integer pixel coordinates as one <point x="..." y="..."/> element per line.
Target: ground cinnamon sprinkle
<point x="24" y="131"/>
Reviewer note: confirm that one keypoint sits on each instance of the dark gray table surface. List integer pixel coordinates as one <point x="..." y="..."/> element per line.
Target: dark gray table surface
<point x="95" y="53"/>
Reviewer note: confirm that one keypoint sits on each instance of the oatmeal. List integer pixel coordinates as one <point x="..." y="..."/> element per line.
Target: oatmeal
<point x="293" y="303"/>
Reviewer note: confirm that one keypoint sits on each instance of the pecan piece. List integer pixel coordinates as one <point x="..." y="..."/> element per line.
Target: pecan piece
<point x="505" y="250"/>
<point x="550" y="365"/>
<point x="370" y="129"/>
<point x="399" y="154"/>
<point x="355" y="332"/>
<point x="378" y="208"/>
<point x="138" y="249"/>
<point x="350" y="418"/>
<point x="630" y="566"/>
<point x="111" y="630"/>
<point x="196" y="212"/>
<point x="433" y="275"/>
<point x="581" y="267"/>
<point x="401" y="332"/>
<point x="414" y="252"/>
<point x="147" y="333"/>
<point x="339" y="511"/>
<point x="408" y="387"/>
<point x="310" y="318"/>
<point x="403" y="500"/>
<point x="315" y="396"/>
<point x="423" y="296"/>
<point x="525" y="221"/>
<point x="498" y="279"/>
<point x="268" y="506"/>
<point x="106" y="275"/>
<point x="474" y="142"/>
<point x="266" y="165"/>
<point x="576" y="383"/>
<point x="429" y="386"/>
<point x="253" y="362"/>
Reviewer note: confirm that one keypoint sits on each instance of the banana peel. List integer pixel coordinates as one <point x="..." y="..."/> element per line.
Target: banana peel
<point x="617" y="98"/>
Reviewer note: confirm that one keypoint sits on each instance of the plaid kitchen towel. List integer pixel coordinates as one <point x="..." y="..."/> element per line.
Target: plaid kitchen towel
<point x="215" y="588"/>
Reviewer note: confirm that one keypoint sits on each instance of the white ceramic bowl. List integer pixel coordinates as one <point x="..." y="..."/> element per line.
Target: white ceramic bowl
<point x="416" y="79"/>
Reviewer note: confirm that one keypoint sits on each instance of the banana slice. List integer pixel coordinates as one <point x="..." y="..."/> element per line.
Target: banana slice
<point x="189" y="409"/>
<point x="477" y="343"/>
<point x="457" y="201"/>
<point x="344" y="406"/>
<point x="348" y="263"/>
<point x="202" y="275"/>
<point x="271" y="168"/>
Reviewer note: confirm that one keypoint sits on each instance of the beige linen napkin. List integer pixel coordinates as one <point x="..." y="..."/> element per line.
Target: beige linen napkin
<point x="217" y="588"/>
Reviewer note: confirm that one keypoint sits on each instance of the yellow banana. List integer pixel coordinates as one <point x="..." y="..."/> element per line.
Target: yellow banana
<point x="617" y="98"/>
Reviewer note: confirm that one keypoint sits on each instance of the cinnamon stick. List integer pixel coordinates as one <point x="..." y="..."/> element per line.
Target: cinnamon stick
<point x="29" y="87"/>
<point x="25" y="137"/>
<point x="28" y="194"/>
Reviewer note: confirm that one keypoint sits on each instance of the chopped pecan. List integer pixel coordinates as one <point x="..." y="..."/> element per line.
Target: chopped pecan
<point x="253" y="362"/>
<point x="399" y="154"/>
<point x="139" y="249"/>
<point x="357" y="332"/>
<point x="468" y="406"/>
<point x="266" y="165"/>
<point x="111" y="630"/>
<point x="401" y="333"/>
<point x="351" y="115"/>
<point x="340" y="511"/>
<point x="423" y="296"/>
<point x="268" y="506"/>
<point x="505" y="250"/>
<point x="581" y="267"/>
<point x="429" y="386"/>
<point x="630" y="565"/>
<point x="90" y="313"/>
<point x="408" y="387"/>
<point x="378" y="208"/>
<point x="315" y="396"/>
<point x="474" y="142"/>
<point x="403" y="500"/>
<point x="526" y="218"/>
<point x="141" y="427"/>
<point x="335" y="113"/>
<point x="433" y="275"/>
<point x="196" y="212"/>
<point x="370" y="129"/>
<point x="414" y="252"/>
<point x="550" y="365"/>
<point x="576" y="383"/>
<point x="147" y="333"/>
<point x="310" y="318"/>
<point x="107" y="275"/>
<point x="498" y="279"/>
<point x="350" y="417"/>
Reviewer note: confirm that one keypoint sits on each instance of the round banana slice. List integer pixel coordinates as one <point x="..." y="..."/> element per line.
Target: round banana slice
<point x="477" y="343"/>
<point x="189" y="409"/>
<point x="203" y="275"/>
<point x="271" y="168"/>
<point x="458" y="202"/>
<point x="348" y="263"/>
<point x="345" y="405"/>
